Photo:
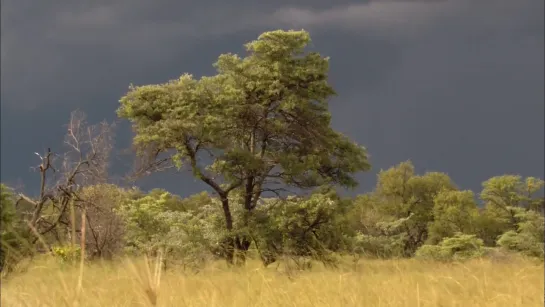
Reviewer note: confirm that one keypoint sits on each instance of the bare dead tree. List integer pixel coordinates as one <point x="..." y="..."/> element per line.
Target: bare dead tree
<point x="89" y="148"/>
<point x="85" y="162"/>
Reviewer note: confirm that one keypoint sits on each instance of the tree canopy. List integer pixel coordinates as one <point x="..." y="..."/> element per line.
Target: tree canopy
<point x="261" y="124"/>
<point x="262" y="118"/>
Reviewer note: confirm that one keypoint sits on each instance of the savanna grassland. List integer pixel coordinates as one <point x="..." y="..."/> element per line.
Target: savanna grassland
<point x="274" y="219"/>
<point x="514" y="282"/>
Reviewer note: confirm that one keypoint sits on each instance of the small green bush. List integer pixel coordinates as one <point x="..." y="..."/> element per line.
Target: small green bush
<point x="528" y="239"/>
<point x="379" y="246"/>
<point x="522" y="243"/>
<point x="67" y="253"/>
<point x="433" y="252"/>
<point x="458" y="248"/>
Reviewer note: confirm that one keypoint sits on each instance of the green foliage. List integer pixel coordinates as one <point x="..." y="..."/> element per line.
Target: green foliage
<point x="7" y="212"/>
<point x="14" y="233"/>
<point x="296" y="227"/>
<point x="502" y="194"/>
<point x="389" y="239"/>
<point x="453" y="212"/>
<point x="458" y="248"/>
<point x="148" y="223"/>
<point x="261" y="121"/>
<point x="267" y="110"/>
<point x="67" y="253"/>
<point x="151" y="226"/>
<point x="529" y="236"/>
<point x="309" y="227"/>
<point x="380" y="246"/>
<point x="489" y="226"/>
<point x="402" y="193"/>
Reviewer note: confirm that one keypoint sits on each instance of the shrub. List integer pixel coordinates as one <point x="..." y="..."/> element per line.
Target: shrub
<point x="433" y="252"/>
<point x="379" y="246"/>
<point x="528" y="238"/>
<point x="151" y="226"/>
<point x="14" y="233"/>
<point x="67" y="253"/>
<point x="458" y="248"/>
<point x="387" y="239"/>
<point x="310" y="228"/>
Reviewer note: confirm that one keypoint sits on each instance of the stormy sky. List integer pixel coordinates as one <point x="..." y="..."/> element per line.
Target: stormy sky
<point x="454" y="85"/>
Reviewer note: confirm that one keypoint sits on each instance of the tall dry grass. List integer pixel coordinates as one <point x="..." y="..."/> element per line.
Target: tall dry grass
<point x="514" y="282"/>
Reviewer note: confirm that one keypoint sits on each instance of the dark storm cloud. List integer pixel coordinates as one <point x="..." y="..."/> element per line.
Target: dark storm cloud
<point x="59" y="48"/>
<point x="457" y="85"/>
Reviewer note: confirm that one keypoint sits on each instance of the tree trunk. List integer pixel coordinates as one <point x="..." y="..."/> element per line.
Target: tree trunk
<point x="243" y="242"/>
<point x="229" y="244"/>
<point x="242" y="245"/>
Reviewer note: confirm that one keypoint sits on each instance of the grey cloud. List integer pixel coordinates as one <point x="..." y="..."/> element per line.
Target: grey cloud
<point x="465" y="96"/>
<point x="445" y="83"/>
<point x="40" y="41"/>
<point x="383" y="16"/>
<point x="407" y="19"/>
<point x="61" y="48"/>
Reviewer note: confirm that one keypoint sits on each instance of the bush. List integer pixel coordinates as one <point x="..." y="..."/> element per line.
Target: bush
<point x="522" y="243"/>
<point x="379" y="246"/>
<point x="528" y="239"/>
<point x="310" y="228"/>
<point x="387" y="239"/>
<point x="67" y="253"/>
<point x="433" y="252"/>
<point x="458" y="248"/>
<point x="14" y="233"/>
<point x="152" y="227"/>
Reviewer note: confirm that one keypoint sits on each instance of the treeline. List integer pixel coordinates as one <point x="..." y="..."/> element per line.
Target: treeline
<point x="406" y="215"/>
<point x="258" y="128"/>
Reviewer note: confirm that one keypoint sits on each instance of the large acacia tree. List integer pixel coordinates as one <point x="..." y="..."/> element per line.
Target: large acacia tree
<point x="261" y="124"/>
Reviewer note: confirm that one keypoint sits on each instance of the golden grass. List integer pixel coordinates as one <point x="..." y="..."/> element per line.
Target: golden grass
<point x="512" y="283"/>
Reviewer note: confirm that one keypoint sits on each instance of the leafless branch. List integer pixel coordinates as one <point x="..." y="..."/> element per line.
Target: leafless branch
<point x="85" y="162"/>
<point x="149" y="159"/>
